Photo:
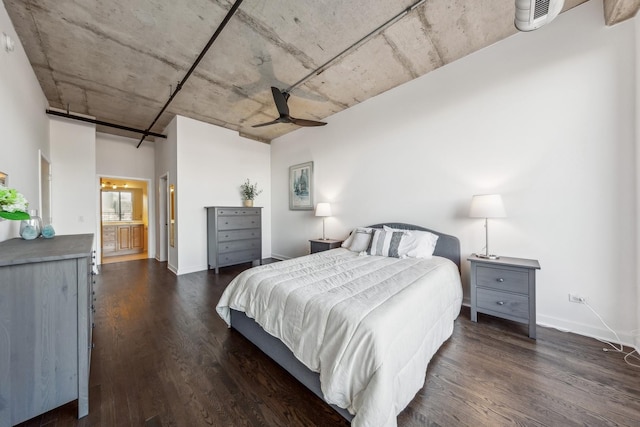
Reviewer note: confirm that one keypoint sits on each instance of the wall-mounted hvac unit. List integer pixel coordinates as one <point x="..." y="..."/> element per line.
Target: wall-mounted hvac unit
<point x="533" y="14"/>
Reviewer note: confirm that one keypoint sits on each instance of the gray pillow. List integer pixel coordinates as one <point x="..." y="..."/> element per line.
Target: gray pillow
<point x="386" y="243"/>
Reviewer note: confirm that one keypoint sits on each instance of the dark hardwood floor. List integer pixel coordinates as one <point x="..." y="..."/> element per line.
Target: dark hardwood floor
<point x="163" y="357"/>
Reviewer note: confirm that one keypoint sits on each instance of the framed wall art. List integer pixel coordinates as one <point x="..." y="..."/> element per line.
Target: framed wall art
<point x="301" y="186"/>
<point x="3" y="178"/>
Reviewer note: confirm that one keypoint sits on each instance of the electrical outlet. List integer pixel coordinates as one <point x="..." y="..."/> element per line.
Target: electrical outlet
<point x="577" y="298"/>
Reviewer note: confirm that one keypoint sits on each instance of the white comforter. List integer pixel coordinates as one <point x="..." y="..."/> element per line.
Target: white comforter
<point x="368" y="324"/>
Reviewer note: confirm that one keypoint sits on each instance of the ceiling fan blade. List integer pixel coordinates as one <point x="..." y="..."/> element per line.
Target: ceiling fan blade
<point x="281" y="101"/>
<point x="280" y="98"/>
<point x="273" y="122"/>
<point x="305" y="122"/>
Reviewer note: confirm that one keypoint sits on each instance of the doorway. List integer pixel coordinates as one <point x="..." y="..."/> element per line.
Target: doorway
<point x="124" y="219"/>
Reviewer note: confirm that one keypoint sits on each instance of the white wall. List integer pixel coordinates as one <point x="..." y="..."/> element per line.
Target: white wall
<point x="545" y="118"/>
<point x="23" y="123"/>
<point x="212" y="164"/>
<point x="118" y="157"/>
<point x="166" y="164"/>
<point x="74" y="186"/>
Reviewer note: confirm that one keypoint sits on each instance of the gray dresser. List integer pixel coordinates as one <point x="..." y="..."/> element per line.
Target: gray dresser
<point x="234" y="235"/>
<point x="506" y="288"/>
<point x="46" y="318"/>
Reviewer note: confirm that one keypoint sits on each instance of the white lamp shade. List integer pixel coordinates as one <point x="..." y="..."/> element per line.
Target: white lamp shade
<point x="323" y="209"/>
<point x="487" y="206"/>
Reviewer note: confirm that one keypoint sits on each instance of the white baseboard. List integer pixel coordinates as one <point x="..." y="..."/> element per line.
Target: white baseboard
<point x="172" y="269"/>
<point x="600" y="333"/>
<point x="564" y="325"/>
<point x="280" y="257"/>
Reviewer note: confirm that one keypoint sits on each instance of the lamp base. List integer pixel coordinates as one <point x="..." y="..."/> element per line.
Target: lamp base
<point x="485" y="256"/>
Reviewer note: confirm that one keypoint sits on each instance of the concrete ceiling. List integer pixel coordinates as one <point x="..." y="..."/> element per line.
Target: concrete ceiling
<point x="119" y="60"/>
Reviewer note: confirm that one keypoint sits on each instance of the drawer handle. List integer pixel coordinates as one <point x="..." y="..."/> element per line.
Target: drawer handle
<point x="500" y="280"/>
<point x="500" y="302"/>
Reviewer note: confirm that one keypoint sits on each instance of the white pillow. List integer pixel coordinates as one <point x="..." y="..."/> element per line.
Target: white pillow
<point x="360" y="241"/>
<point x="349" y="239"/>
<point x="416" y="243"/>
<point x="347" y="243"/>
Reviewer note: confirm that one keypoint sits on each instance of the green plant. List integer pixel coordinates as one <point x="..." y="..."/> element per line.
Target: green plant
<point x="249" y="191"/>
<point x="13" y="205"/>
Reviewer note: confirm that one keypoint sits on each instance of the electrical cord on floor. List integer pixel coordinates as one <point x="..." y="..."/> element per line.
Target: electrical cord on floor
<point x="627" y="355"/>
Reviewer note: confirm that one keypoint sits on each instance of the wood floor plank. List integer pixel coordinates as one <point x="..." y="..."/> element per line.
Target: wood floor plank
<point x="163" y="357"/>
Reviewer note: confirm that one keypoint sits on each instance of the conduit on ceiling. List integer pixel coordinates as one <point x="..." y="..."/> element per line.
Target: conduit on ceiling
<point x="324" y="66"/>
<point x="67" y="115"/>
<point x="315" y="72"/>
<point x="213" y="38"/>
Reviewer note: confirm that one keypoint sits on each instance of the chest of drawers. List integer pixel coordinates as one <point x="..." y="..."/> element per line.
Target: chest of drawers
<point x="234" y="236"/>
<point x="506" y="288"/>
<point x="46" y="317"/>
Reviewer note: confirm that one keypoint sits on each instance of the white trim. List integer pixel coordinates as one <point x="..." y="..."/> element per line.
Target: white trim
<point x="586" y="330"/>
<point x="163" y="218"/>
<point x="172" y="269"/>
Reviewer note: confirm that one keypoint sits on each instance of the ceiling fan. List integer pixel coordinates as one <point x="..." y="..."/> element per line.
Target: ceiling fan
<point x="281" y="98"/>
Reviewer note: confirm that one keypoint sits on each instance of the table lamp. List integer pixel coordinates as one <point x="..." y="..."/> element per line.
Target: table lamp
<point x="323" y="210"/>
<point x="487" y="206"/>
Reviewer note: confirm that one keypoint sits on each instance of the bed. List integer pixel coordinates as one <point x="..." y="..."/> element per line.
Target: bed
<point x="358" y="330"/>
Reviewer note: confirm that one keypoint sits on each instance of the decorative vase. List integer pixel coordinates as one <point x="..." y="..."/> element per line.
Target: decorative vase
<point x="28" y="232"/>
<point x="32" y="227"/>
<point x="48" y="232"/>
<point x="248" y="203"/>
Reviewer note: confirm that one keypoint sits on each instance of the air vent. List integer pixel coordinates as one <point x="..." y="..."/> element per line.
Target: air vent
<point x="541" y="9"/>
<point x="533" y="14"/>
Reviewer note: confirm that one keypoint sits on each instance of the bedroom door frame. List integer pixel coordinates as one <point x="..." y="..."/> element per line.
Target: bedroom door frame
<point x="163" y="215"/>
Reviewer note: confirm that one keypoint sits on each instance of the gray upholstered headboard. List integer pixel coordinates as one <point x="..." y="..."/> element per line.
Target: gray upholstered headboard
<point x="447" y="246"/>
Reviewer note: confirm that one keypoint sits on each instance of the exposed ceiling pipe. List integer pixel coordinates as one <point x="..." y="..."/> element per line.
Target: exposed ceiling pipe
<point x="103" y="123"/>
<point x="324" y="66"/>
<point x="213" y="38"/>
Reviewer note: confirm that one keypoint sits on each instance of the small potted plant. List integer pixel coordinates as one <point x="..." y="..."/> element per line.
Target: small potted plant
<point x="249" y="192"/>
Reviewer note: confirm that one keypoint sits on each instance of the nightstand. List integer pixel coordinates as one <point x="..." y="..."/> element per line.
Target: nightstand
<point x="506" y="288"/>
<point x="319" y="245"/>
